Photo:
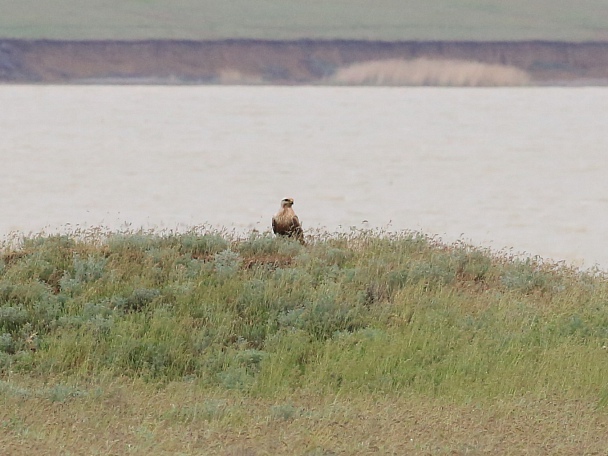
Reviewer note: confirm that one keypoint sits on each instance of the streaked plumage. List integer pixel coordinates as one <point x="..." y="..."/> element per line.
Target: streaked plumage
<point x="286" y="222"/>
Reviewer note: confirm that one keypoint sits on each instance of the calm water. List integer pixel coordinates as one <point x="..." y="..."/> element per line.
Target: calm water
<point x="524" y="169"/>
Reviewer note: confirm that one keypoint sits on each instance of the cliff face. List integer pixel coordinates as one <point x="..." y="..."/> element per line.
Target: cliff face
<point x="282" y="62"/>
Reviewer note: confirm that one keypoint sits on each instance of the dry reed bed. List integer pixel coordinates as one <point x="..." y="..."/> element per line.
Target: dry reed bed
<point x="430" y="72"/>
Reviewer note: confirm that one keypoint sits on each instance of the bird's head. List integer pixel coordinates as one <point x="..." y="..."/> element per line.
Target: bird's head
<point x="287" y="202"/>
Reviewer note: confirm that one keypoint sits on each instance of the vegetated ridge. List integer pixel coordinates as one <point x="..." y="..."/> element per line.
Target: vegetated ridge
<point x="303" y="62"/>
<point x="199" y="340"/>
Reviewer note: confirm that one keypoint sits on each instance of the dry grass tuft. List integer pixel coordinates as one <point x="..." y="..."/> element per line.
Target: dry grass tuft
<point x="428" y="72"/>
<point x="236" y="77"/>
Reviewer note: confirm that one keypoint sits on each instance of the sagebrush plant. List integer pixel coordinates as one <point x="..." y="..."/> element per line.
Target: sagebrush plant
<point x="361" y="311"/>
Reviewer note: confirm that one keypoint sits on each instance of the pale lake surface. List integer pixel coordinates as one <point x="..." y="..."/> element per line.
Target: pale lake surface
<point x="522" y="169"/>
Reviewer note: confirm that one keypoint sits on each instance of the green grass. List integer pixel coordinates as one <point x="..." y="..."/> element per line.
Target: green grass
<point x="358" y="313"/>
<point x="204" y="343"/>
<point x="291" y="19"/>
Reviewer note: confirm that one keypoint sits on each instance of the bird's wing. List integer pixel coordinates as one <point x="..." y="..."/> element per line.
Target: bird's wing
<point x="297" y="230"/>
<point x="274" y="225"/>
<point x="295" y="223"/>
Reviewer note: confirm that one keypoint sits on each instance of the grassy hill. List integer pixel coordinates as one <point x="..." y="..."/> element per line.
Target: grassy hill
<point x="115" y="343"/>
<point x="479" y="20"/>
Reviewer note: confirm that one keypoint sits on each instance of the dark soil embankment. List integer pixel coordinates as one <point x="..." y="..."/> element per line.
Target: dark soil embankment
<point x="280" y="62"/>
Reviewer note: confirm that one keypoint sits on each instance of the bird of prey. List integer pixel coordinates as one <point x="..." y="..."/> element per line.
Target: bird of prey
<point x="286" y="222"/>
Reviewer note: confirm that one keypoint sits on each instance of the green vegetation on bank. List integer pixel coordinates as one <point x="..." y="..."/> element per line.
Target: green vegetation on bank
<point x="360" y="343"/>
<point x="359" y="313"/>
<point x="388" y="20"/>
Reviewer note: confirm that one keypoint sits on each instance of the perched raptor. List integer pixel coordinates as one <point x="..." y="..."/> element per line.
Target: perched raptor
<point x="286" y="222"/>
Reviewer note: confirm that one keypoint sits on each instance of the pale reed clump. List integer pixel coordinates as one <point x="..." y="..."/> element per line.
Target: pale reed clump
<point x="430" y="72"/>
<point x="236" y="77"/>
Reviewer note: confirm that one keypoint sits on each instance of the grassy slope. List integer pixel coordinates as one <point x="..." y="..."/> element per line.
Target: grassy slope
<point x="291" y="19"/>
<point x="352" y="343"/>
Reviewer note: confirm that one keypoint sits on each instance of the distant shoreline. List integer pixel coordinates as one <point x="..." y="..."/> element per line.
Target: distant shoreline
<point x="299" y="62"/>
